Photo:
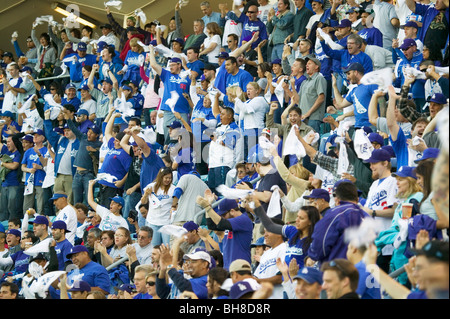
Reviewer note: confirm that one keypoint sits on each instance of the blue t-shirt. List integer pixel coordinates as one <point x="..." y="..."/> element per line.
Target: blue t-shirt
<point x="294" y="250"/>
<point x="75" y="102"/>
<point x="196" y="66"/>
<point x="360" y="98"/>
<point x="31" y="157"/>
<point x="250" y="27"/>
<point x="21" y="261"/>
<point x="173" y="82"/>
<point x="236" y="242"/>
<point x="76" y="66"/>
<point x="143" y="296"/>
<point x="400" y="148"/>
<point x="367" y="288"/>
<point x="11" y="177"/>
<point x="62" y="249"/>
<point x="5" y="128"/>
<point x="116" y="162"/>
<point x="198" y="127"/>
<point x="150" y="168"/>
<point x="94" y="274"/>
<point x="373" y="36"/>
<point x="185" y="160"/>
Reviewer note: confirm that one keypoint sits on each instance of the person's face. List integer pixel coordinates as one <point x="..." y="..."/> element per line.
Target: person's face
<point x="80" y="259"/>
<point x="91" y="239"/>
<point x="212" y="286"/>
<point x="419" y="128"/>
<point x="419" y="271"/>
<point x="139" y="281"/>
<point x="409" y="52"/>
<point x="130" y="23"/>
<point x="434" y="109"/>
<point x="410" y="32"/>
<point x="225" y="117"/>
<point x="351" y="77"/>
<point x="69" y="134"/>
<point x="79" y="294"/>
<point x="304" y="47"/>
<point x="352" y="47"/>
<point x="167" y="179"/>
<point x="271" y="239"/>
<point x="332" y="284"/>
<point x="172" y="25"/>
<point x="134" y="48"/>
<point x="206" y="10"/>
<point x="230" y="66"/>
<point x="378" y="169"/>
<point x="10" y="145"/>
<point x="115" y="207"/>
<point x="120" y="238"/>
<point x="5" y="293"/>
<point x="281" y="6"/>
<point x="353" y="16"/>
<point x="197" y="27"/>
<point x="276" y="68"/>
<point x="117" y="146"/>
<point x="150" y="283"/>
<point x="191" y="55"/>
<point x="30" y="43"/>
<point x="316" y="6"/>
<point x="426" y="53"/>
<point x="43" y="41"/>
<point x="241" y="173"/>
<point x="249" y="168"/>
<point x="27" y="145"/>
<point x="13" y="72"/>
<point x="143" y="211"/>
<point x="402" y="185"/>
<point x="95" y="219"/>
<point x="252" y="13"/>
<point x="57" y="234"/>
<point x="12" y="240"/>
<point x="252" y="92"/>
<point x="299" y="3"/>
<point x="85" y="95"/>
<point x="259" y="250"/>
<point x="196" y="268"/>
<point x="232" y="44"/>
<point x="305" y="290"/>
<point x="106" y="56"/>
<point x="143" y="238"/>
<point x="302" y="221"/>
<point x="106" y="240"/>
<point x="11" y="225"/>
<point x="294" y="118"/>
<point x="39" y="229"/>
<point x="175" y="68"/>
<point x="176" y="46"/>
<point x="192" y="237"/>
<point x="311" y="67"/>
<point x="91" y="136"/>
<point x="440" y="5"/>
<point x="155" y="255"/>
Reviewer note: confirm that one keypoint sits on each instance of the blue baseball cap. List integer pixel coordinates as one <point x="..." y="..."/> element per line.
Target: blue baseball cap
<point x="40" y="220"/>
<point x="175" y="60"/>
<point x="14" y="232"/>
<point x="126" y="87"/>
<point x="405" y="171"/>
<point x="119" y="200"/>
<point x="28" y="138"/>
<point x="174" y="124"/>
<point x="240" y="288"/>
<point x="57" y="195"/>
<point x="81" y="46"/>
<point x="319" y="193"/>
<point x="8" y="114"/>
<point x="107" y="80"/>
<point x="339" y="182"/>
<point x="125" y="287"/>
<point x="39" y="132"/>
<point x="389" y="149"/>
<point x="310" y="275"/>
<point x="378" y="155"/>
<point x="410" y="24"/>
<point x="75" y="250"/>
<point x="355" y="66"/>
<point x="223" y="55"/>
<point x="26" y="68"/>
<point x="438" y="98"/>
<point x="84" y="87"/>
<point x="190" y="226"/>
<point x="376" y="138"/>
<point x="60" y="224"/>
<point x="428" y="153"/>
<point x="345" y="23"/>
<point x="276" y="61"/>
<point x="80" y="285"/>
<point x="101" y="45"/>
<point x="259" y="242"/>
<point x="353" y="10"/>
<point x="226" y="205"/>
<point x="407" y="43"/>
<point x="94" y="129"/>
<point x="71" y="86"/>
<point x="179" y="40"/>
<point x="82" y="112"/>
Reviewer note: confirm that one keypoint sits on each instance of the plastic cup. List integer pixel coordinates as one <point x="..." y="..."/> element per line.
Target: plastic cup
<point x="406" y="210"/>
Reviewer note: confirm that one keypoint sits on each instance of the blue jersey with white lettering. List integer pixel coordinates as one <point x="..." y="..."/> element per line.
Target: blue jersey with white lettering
<point x="116" y="162"/>
<point x="173" y="82"/>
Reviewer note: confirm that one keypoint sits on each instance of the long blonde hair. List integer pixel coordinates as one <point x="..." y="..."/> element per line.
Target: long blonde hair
<point x="413" y="187"/>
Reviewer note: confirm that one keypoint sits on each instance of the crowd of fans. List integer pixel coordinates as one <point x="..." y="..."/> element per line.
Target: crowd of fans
<point x="272" y="150"/>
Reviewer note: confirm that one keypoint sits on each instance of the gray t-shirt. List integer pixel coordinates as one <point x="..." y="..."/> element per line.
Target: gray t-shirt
<point x="309" y="91"/>
<point x="192" y="186"/>
<point x="102" y="101"/>
<point x="384" y="13"/>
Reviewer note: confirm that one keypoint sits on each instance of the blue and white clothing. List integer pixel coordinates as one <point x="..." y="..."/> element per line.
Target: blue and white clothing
<point x="223" y="155"/>
<point x="116" y="162"/>
<point x="173" y="82"/>
<point x="160" y="204"/>
<point x="62" y="248"/>
<point x="76" y="66"/>
<point x="132" y="62"/>
<point x="294" y="250"/>
<point x="109" y="220"/>
<point x="360" y="97"/>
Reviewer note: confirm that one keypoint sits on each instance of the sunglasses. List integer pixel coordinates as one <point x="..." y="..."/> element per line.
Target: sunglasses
<point x="150" y="283"/>
<point x="252" y="11"/>
<point x="335" y="264"/>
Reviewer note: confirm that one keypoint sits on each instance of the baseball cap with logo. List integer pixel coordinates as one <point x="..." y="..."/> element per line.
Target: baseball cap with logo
<point x="310" y="275"/>
<point x="240" y="289"/>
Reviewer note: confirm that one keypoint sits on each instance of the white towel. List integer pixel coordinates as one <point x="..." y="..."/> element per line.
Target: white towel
<point x="173" y="230"/>
<point x="233" y="193"/>
<point x="292" y="146"/>
<point x="274" y="208"/>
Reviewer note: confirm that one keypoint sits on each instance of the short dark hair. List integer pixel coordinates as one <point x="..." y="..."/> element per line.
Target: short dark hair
<point x="70" y="108"/>
<point x="83" y="207"/>
<point x="343" y="268"/>
<point x="347" y="191"/>
<point x="232" y="59"/>
<point x="195" y="49"/>
<point x="12" y="287"/>
<point x="137" y="120"/>
<point x="235" y="37"/>
<point x="148" y="229"/>
<point x="296" y="109"/>
<point x="15" y="221"/>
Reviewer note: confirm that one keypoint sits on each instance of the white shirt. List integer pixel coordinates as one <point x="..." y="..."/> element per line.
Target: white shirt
<point x="109" y="220"/>
<point x="159" y="206"/>
<point x="267" y="267"/>
<point x="69" y="216"/>
<point x="252" y="112"/>
<point x="212" y="55"/>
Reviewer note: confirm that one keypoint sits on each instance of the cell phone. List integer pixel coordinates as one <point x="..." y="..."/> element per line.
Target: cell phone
<point x="133" y="214"/>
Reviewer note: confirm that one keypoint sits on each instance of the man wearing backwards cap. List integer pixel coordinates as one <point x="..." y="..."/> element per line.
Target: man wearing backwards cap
<point x="81" y="58"/>
<point x="238" y="227"/>
<point x="172" y="83"/>
<point x="197" y="266"/>
<point x="65" y="213"/>
<point x="63" y="246"/>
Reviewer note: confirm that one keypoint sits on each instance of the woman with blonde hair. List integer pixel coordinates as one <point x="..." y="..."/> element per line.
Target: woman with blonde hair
<point x="212" y="44"/>
<point x="122" y="238"/>
<point x="409" y="192"/>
